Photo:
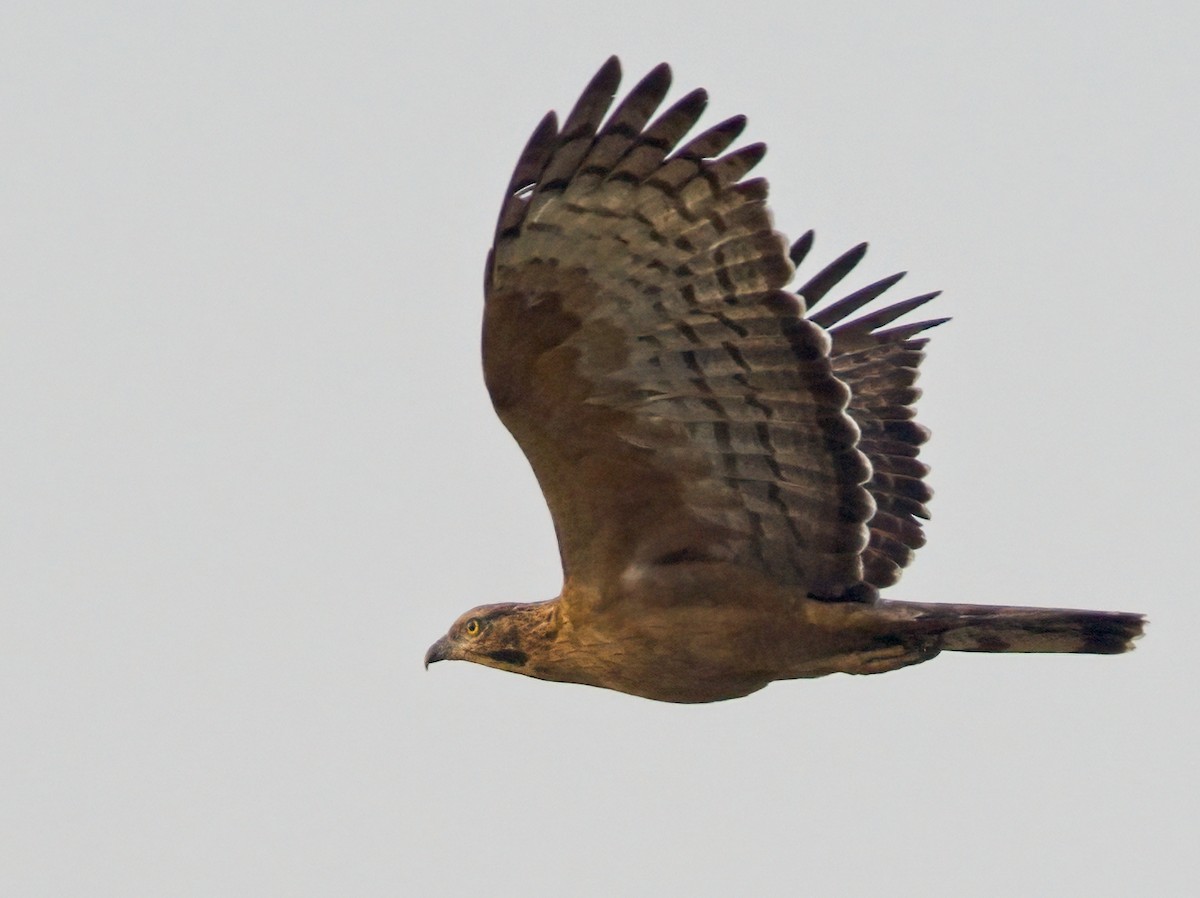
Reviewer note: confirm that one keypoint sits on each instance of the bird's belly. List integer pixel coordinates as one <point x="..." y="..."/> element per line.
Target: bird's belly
<point x="706" y="654"/>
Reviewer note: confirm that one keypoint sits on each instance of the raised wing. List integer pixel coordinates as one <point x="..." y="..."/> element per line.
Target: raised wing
<point x="880" y="367"/>
<point x="674" y="404"/>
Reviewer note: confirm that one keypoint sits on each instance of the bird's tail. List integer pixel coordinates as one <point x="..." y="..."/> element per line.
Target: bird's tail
<point x="1001" y="628"/>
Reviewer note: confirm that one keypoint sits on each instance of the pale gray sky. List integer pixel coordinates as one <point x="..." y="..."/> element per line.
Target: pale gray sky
<point x="250" y="470"/>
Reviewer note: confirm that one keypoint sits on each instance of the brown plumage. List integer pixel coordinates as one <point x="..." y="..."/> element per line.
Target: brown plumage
<point x="732" y="475"/>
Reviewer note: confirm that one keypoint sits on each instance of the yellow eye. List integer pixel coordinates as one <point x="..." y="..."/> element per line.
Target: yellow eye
<point x="472" y="627"/>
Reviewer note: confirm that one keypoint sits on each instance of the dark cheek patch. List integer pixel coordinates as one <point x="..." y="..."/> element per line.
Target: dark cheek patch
<point x="509" y="656"/>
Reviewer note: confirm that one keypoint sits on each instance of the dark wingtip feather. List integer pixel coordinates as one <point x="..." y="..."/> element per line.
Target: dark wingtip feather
<point x="886" y="315"/>
<point x="692" y="104"/>
<point x="829" y="276"/>
<point x="753" y="153"/>
<point x="904" y="331"/>
<point x="714" y="141"/>
<point x="595" y="99"/>
<point x="733" y="126"/>
<point x="801" y="247"/>
<point x="607" y="77"/>
<point x="739" y="161"/>
<point x="528" y="171"/>
<point x="657" y="76"/>
<point x="850" y="304"/>
<point x="535" y="153"/>
<point x="654" y="85"/>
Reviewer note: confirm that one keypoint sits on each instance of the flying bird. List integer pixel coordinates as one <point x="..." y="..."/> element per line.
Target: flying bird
<point x="731" y="464"/>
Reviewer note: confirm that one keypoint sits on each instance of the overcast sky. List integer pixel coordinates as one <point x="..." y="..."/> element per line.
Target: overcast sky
<point x="250" y="472"/>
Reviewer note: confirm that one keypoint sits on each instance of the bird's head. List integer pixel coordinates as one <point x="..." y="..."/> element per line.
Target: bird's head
<point x="501" y="636"/>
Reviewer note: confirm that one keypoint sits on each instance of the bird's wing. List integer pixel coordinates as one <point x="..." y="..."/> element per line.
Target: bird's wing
<point x="879" y="364"/>
<point x="672" y="400"/>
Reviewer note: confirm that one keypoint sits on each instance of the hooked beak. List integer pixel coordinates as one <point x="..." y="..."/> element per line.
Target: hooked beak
<point x="439" y="651"/>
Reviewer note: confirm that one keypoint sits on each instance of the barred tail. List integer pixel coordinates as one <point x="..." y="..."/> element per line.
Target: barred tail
<point x="1001" y="628"/>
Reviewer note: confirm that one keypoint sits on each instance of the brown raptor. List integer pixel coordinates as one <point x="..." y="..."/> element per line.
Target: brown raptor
<point x="732" y="475"/>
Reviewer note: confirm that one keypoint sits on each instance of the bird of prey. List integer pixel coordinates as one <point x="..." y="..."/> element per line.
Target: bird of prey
<point x="732" y="475"/>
